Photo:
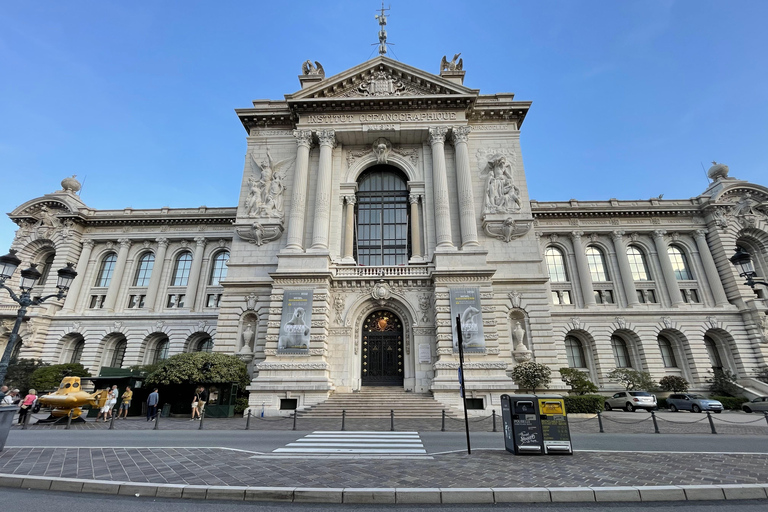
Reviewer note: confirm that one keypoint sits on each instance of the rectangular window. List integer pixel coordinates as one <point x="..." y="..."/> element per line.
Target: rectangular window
<point x="475" y="404"/>
<point x="651" y="296"/>
<point x="694" y="296"/>
<point x="608" y="296"/>
<point x="213" y="300"/>
<point x="684" y="295"/>
<point x="566" y="297"/>
<point x="598" y="297"/>
<point x="556" y="298"/>
<point x="640" y="296"/>
<point x="289" y="404"/>
<point x="136" y="301"/>
<point x="97" y="302"/>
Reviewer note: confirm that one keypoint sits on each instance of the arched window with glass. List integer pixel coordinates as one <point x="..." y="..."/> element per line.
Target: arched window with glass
<point x="205" y="345"/>
<point x="556" y="265"/>
<point x="713" y="352"/>
<point x="144" y="269"/>
<point x="118" y="354"/>
<point x="637" y="264"/>
<point x="77" y="352"/>
<point x="181" y="269"/>
<point x="596" y="263"/>
<point x="574" y="352"/>
<point x="44" y="267"/>
<point x="667" y="352"/>
<point x="382" y="236"/>
<point x="219" y="268"/>
<point x="620" y="352"/>
<point x="161" y="351"/>
<point x="679" y="263"/>
<point x="106" y="269"/>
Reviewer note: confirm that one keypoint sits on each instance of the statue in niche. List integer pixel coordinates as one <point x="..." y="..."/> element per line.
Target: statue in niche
<point x="312" y="69"/>
<point x="381" y="148"/>
<point x="247" y="338"/>
<point x="265" y="198"/>
<point x="518" y="336"/>
<point x="501" y="194"/>
<point x="455" y="64"/>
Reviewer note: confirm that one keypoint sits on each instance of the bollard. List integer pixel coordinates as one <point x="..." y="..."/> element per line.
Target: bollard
<point x="392" y="420"/>
<point x="766" y="416"/>
<point x="157" y="419"/>
<point x="711" y="423"/>
<point x="493" y="411"/>
<point x="442" y="429"/>
<point x="655" y="425"/>
<point x="248" y="421"/>
<point x="69" y="420"/>
<point x="112" y="421"/>
<point x="202" y="419"/>
<point x="294" y="419"/>
<point x="600" y="422"/>
<point x="343" y="418"/>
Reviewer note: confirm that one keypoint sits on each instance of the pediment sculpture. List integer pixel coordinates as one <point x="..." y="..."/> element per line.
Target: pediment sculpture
<point x="455" y="64"/>
<point x="308" y="68"/>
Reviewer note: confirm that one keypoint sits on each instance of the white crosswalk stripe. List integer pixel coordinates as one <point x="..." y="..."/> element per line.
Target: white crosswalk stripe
<point x="356" y="443"/>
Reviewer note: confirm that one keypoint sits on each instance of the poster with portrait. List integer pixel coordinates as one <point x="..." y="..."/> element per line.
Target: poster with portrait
<point x="296" y="320"/>
<point x="465" y="303"/>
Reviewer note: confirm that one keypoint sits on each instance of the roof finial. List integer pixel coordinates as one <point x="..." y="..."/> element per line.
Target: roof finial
<point x="382" y="19"/>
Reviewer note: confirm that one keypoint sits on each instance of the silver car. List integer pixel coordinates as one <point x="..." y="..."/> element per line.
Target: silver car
<point x="692" y="402"/>
<point x="631" y="400"/>
<point x="759" y="404"/>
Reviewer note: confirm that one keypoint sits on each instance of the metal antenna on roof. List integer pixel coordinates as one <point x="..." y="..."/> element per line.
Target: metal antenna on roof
<point x="382" y="19"/>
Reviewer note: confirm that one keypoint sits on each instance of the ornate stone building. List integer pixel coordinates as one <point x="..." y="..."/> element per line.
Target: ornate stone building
<point x="376" y="205"/>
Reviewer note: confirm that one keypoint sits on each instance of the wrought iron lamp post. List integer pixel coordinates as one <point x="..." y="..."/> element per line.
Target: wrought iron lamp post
<point x="743" y="262"/>
<point x="29" y="277"/>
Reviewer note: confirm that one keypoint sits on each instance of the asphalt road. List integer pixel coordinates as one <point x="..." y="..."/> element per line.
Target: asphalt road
<point x="16" y="500"/>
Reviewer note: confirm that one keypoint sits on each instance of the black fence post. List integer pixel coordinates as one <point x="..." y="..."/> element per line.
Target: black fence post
<point x="392" y="420"/>
<point x="766" y="416"/>
<point x="69" y="420"/>
<point x="442" y="429"/>
<point x="112" y="421"/>
<point x="248" y="420"/>
<point x="600" y="422"/>
<point x="494" y="419"/>
<point x="158" y="410"/>
<point x="202" y="419"/>
<point x="711" y="423"/>
<point x="294" y="419"/>
<point x="343" y="419"/>
<point x="655" y="424"/>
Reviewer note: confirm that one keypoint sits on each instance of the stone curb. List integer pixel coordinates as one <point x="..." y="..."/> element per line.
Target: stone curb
<point x="395" y="495"/>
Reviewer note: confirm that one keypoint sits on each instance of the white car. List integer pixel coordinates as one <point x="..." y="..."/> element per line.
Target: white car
<point x="631" y="401"/>
<point x="759" y="404"/>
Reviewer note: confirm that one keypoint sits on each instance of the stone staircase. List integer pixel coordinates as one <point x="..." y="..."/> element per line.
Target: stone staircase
<point x="377" y="402"/>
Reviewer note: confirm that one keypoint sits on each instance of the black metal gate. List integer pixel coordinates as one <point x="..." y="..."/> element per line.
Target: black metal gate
<point x="382" y="353"/>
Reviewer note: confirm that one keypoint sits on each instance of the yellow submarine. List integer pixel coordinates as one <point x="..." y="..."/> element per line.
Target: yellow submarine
<point x="71" y="397"/>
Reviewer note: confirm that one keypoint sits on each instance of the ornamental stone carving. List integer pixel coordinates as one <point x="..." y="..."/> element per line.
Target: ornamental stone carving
<point x="506" y="230"/>
<point x="338" y="306"/>
<point x="460" y="134"/>
<point x="516" y="298"/>
<point x="764" y="327"/>
<point x="303" y="138"/>
<point x="382" y="148"/>
<point x="425" y="303"/>
<point x="259" y="233"/>
<point x="381" y="292"/>
<point x="327" y="138"/>
<point x="309" y="69"/>
<point x="250" y="301"/>
<point x="437" y="134"/>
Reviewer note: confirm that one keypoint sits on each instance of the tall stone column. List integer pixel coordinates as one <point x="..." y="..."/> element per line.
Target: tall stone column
<point x="415" y="226"/>
<point x="295" y="241"/>
<point x="117" y="275"/>
<point x="624" y="269"/>
<point x="713" y="276"/>
<point x="440" y="187"/>
<point x="327" y="140"/>
<point x="459" y="136"/>
<point x="157" y="272"/>
<point x="585" y="277"/>
<point x="77" y="284"/>
<point x="349" y="229"/>
<point x="194" y="272"/>
<point x="666" y="268"/>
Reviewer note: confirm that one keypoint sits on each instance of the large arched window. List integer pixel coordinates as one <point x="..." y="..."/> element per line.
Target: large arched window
<point x="637" y="264"/>
<point x="77" y="352"/>
<point x="679" y="263"/>
<point x="620" y="352"/>
<point x="574" y="351"/>
<point x="205" y="345"/>
<point x="713" y="352"/>
<point x="382" y="217"/>
<point x="596" y="264"/>
<point x="555" y="265"/>
<point x="118" y="354"/>
<point x="44" y="267"/>
<point x="667" y="353"/>
<point x="106" y="269"/>
<point x="161" y="351"/>
<point x="144" y="270"/>
<point x="181" y="269"/>
<point x="219" y="268"/>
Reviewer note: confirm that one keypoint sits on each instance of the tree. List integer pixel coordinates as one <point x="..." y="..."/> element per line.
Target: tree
<point x="19" y="373"/>
<point x="674" y="384"/>
<point x="200" y="368"/>
<point x="578" y="380"/>
<point x="633" y="379"/>
<point x="531" y="375"/>
<point x="723" y="382"/>
<point x="48" y="378"/>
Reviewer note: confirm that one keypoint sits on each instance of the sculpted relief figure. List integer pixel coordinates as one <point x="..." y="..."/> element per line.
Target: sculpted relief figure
<point x="382" y="148"/>
<point x="265" y="197"/>
<point x="501" y="194"/>
<point x="312" y="69"/>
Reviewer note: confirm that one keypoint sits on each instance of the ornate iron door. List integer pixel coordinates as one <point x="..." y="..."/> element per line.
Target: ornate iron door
<point x="382" y="353"/>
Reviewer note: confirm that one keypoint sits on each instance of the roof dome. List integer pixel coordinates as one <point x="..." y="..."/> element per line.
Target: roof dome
<point x="717" y="171"/>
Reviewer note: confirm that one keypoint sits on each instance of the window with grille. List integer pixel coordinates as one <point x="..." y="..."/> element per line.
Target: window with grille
<point x="382" y="218"/>
<point x="144" y="270"/>
<point x="637" y="264"/>
<point x="679" y="264"/>
<point x="555" y="265"/>
<point x="181" y="269"/>
<point x="219" y="268"/>
<point x="106" y="269"/>
<point x="596" y="264"/>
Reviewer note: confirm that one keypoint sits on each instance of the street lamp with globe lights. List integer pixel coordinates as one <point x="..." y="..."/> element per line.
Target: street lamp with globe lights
<point x="743" y="263"/>
<point x="29" y="277"/>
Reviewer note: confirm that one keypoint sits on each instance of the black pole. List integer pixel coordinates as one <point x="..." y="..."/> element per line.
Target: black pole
<point x="766" y="416"/>
<point x="294" y="420"/>
<point x="202" y="419"/>
<point x="248" y="420"/>
<point x="442" y="429"/>
<point x="157" y="416"/>
<point x="392" y="420"/>
<point x="494" y="420"/>
<point x="711" y="423"/>
<point x="112" y="421"/>
<point x="655" y="424"/>
<point x="600" y="422"/>
<point x="343" y="417"/>
<point x="461" y="381"/>
<point x="69" y="420"/>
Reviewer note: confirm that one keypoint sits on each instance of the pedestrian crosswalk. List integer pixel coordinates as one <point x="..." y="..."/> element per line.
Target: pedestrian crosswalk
<point x="356" y="443"/>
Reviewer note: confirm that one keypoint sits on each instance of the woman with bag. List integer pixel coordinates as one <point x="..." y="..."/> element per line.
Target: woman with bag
<point x="195" y="401"/>
<point x="27" y="404"/>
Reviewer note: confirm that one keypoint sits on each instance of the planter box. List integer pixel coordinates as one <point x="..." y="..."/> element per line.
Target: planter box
<point x="7" y="413"/>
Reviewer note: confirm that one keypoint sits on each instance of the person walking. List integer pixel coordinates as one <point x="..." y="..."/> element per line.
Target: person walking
<point x="111" y="402"/>
<point x="152" y="400"/>
<point x="203" y="399"/>
<point x="195" y="403"/>
<point x="27" y="404"/>
<point x="125" y="403"/>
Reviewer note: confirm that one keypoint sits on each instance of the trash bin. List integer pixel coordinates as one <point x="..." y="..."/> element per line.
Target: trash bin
<point x="166" y="411"/>
<point x="522" y="426"/>
<point x="6" y="420"/>
<point x="556" y="434"/>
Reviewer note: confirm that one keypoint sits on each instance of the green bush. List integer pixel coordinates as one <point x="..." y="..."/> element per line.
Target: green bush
<point x="19" y="373"/>
<point x="731" y="403"/>
<point x="586" y="404"/>
<point x="48" y="378"/>
<point x="200" y="368"/>
<point x="578" y="380"/>
<point x="241" y="404"/>
<point x="723" y="383"/>
<point x="531" y="375"/>
<point x="674" y="384"/>
<point x="633" y="379"/>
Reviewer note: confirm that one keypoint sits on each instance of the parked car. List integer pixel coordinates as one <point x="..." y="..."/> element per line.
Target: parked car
<point x="759" y="404"/>
<point x="631" y="400"/>
<point x="692" y="402"/>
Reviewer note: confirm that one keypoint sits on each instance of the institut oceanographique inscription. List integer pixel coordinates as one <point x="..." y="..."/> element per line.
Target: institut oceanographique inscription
<point x="387" y="117"/>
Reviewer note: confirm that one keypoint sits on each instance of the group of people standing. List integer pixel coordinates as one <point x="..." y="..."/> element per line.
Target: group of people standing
<point x="106" y="411"/>
<point x="13" y="397"/>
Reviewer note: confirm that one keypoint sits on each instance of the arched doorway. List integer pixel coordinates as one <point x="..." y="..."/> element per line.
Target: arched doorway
<point x="382" y="350"/>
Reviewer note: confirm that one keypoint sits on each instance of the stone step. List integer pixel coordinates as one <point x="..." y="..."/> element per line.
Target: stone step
<point x="377" y="402"/>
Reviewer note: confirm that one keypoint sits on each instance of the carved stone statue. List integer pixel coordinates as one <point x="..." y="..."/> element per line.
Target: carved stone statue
<point x="312" y="69"/>
<point x="250" y="301"/>
<point x="455" y="64"/>
<point x="764" y="327"/>
<point x="518" y="335"/>
<point x="265" y="198"/>
<point x="381" y="148"/>
<point x="247" y="338"/>
<point x="501" y="194"/>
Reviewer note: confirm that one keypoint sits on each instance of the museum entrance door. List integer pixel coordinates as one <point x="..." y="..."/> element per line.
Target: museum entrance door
<point x="382" y="352"/>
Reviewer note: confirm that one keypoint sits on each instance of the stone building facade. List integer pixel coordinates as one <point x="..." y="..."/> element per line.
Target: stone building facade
<point x="377" y="205"/>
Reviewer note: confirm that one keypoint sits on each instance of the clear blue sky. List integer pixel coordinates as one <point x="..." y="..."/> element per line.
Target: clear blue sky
<point x="137" y="98"/>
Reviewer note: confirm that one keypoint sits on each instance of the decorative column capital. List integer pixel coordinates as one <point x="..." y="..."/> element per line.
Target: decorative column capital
<point x="200" y="241"/>
<point x="576" y="235"/>
<point x="659" y="234"/>
<point x="414" y="198"/>
<point x="88" y="244"/>
<point x="460" y="134"/>
<point x="350" y="199"/>
<point x="162" y="242"/>
<point x="125" y="243"/>
<point x="617" y="235"/>
<point x="437" y="135"/>
<point x="327" y="138"/>
<point x="701" y="234"/>
<point x="303" y="138"/>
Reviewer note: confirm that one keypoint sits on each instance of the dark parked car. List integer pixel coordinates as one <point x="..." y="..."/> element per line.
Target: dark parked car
<point x="631" y="400"/>
<point x="693" y="402"/>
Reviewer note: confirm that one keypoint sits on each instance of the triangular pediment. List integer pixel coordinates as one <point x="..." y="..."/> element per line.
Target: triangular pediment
<point x="381" y="77"/>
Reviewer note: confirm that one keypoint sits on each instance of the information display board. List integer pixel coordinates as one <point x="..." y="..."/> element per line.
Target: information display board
<point x="556" y="435"/>
<point x="523" y="421"/>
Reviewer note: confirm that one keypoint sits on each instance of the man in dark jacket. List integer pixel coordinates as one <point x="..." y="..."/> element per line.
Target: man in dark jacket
<point x="152" y="400"/>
